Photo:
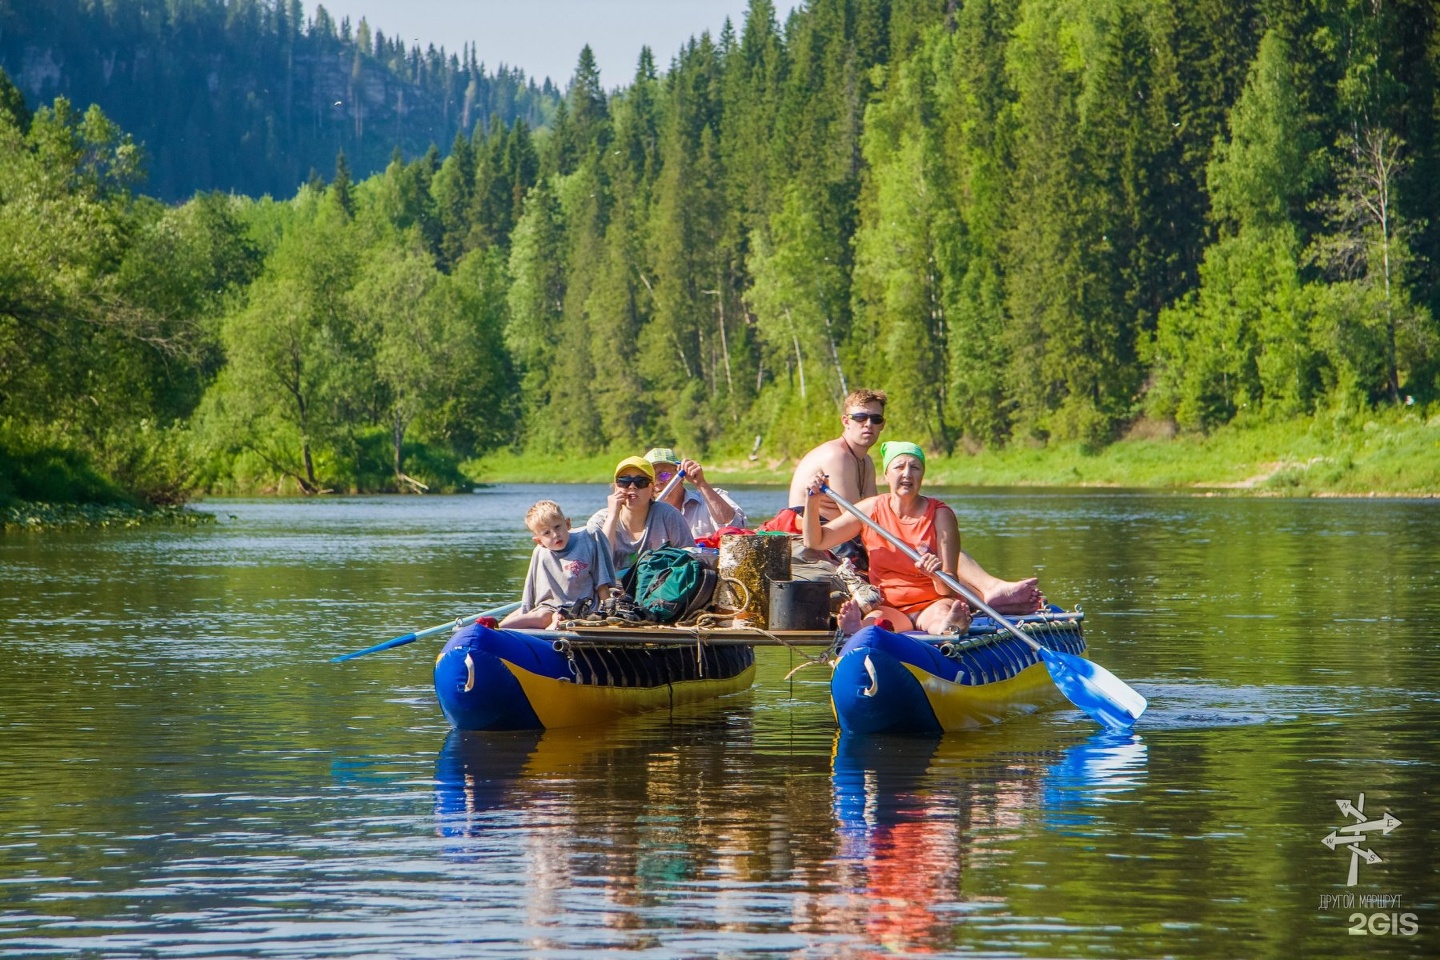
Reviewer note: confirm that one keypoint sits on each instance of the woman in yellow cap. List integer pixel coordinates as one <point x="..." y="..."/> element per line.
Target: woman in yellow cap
<point x="915" y="596"/>
<point x="632" y="522"/>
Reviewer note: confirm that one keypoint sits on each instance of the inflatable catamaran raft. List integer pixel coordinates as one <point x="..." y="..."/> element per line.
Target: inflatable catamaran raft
<point x="492" y="679"/>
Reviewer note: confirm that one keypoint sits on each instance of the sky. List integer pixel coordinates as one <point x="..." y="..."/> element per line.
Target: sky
<point x="544" y="37"/>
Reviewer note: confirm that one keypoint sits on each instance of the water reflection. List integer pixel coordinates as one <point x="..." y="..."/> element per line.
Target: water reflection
<point x="183" y="772"/>
<point x="1099" y="771"/>
<point x="898" y="855"/>
<point x="606" y="825"/>
<point x="477" y="773"/>
<point x="914" y="817"/>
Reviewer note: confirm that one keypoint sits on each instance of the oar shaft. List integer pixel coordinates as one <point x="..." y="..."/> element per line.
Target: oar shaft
<point x="1102" y="695"/>
<point x="914" y="554"/>
<point x="670" y="485"/>
<point x="404" y="639"/>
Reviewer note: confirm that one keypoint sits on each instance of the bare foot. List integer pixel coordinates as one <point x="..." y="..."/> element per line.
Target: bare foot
<point x="849" y="619"/>
<point x="958" y="619"/>
<point x="1015" y="596"/>
<point x="945" y="616"/>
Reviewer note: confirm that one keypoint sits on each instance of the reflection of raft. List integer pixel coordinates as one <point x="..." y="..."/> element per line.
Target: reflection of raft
<point x="521" y="680"/>
<point x="912" y="683"/>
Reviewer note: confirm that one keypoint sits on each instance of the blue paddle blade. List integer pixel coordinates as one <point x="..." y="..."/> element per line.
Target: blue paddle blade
<point x="1104" y="696"/>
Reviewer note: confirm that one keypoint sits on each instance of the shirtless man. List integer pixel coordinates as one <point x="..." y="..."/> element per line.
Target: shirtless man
<point x="846" y="461"/>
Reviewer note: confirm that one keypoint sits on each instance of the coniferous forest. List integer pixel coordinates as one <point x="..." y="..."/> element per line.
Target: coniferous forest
<point x="251" y="96"/>
<point x="1030" y="222"/>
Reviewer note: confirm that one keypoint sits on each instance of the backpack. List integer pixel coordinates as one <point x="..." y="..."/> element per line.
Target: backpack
<point x="670" y="584"/>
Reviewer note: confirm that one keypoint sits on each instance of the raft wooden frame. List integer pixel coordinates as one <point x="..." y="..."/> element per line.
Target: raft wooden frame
<point x="983" y="632"/>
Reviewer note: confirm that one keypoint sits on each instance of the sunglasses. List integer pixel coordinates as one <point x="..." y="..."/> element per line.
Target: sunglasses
<point x="663" y="475"/>
<point x="865" y="417"/>
<point x="632" y="481"/>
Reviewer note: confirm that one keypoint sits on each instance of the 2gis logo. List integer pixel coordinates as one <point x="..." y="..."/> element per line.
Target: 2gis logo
<point x="1380" y="924"/>
<point x="1352" y="838"/>
<point x="1386" y="921"/>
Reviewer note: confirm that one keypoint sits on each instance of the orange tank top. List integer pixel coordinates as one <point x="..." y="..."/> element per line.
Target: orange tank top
<point x="904" y="586"/>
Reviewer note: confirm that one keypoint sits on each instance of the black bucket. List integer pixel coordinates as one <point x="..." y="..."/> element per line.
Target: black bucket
<point x="799" y="605"/>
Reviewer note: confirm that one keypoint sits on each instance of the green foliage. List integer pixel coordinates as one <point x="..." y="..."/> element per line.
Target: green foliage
<point x="1033" y="224"/>
<point x="44" y="472"/>
<point x="156" y="463"/>
<point x="245" y="96"/>
<point x="291" y="362"/>
<point x="901" y="249"/>
<point x="1259" y="174"/>
<point x="33" y="517"/>
<point x="12" y="104"/>
<point x="536" y="301"/>
<point x="798" y="296"/>
<point x="1243" y="342"/>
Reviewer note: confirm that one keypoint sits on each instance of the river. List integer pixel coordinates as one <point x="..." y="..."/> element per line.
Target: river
<point x="183" y="773"/>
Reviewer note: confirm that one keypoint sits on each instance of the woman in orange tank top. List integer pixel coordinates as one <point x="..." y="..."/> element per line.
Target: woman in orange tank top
<point x="915" y="596"/>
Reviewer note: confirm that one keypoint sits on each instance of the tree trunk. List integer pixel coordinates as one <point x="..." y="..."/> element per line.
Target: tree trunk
<point x="799" y="364"/>
<point x="397" y="441"/>
<point x="799" y="357"/>
<point x="835" y="355"/>
<point x="309" y="485"/>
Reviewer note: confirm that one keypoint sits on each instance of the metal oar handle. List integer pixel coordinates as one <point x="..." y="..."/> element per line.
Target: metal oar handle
<point x="670" y="485"/>
<point x="913" y="554"/>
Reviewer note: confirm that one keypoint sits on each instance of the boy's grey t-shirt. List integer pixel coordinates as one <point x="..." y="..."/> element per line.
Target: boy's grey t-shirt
<point x="561" y="577"/>
<point x="666" y="526"/>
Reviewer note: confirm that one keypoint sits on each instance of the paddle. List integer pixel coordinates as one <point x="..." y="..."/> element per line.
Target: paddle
<point x="645" y="534"/>
<point x="1104" y="696"/>
<point x="412" y="637"/>
<point x="670" y="485"/>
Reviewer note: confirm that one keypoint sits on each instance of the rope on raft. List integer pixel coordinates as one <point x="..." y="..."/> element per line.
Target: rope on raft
<point x="700" y="626"/>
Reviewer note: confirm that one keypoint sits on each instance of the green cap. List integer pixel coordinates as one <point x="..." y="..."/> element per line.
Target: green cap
<point x="891" y="449"/>
<point x="662" y="455"/>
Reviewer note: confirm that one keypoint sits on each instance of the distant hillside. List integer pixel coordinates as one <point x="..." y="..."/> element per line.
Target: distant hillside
<point x="251" y="95"/>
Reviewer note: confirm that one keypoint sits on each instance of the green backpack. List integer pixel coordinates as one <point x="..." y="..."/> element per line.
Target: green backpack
<point x="669" y="584"/>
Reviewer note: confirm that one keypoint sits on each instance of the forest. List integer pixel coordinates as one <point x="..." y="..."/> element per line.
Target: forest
<point x="1032" y="223"/>
<point x="251" y="96"/>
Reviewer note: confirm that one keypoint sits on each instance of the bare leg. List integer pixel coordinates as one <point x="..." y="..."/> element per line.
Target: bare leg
<point x="946" y="615"/>
<point x="899" y="622"/>
<point x="541" y="618"/>
<point x="1006" y="596"/>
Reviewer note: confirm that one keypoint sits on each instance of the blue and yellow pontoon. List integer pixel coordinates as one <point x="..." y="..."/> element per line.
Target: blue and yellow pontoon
<point x="490" y="679"/>
<point x="921" y="684"/>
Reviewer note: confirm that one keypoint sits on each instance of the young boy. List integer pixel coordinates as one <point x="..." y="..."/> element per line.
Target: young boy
<point x="566" y="568"/>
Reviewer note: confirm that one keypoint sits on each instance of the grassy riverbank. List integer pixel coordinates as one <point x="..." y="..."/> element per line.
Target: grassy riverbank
<point x="21" y="515"/>
<point x="1392" y="453"/>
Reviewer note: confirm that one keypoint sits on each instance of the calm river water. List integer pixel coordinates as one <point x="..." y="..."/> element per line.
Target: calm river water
<point x="184" y="774"/>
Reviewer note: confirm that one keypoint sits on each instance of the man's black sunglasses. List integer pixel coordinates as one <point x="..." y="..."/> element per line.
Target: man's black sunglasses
<point x="864" y="415"/>
<point x="632" y="481"/>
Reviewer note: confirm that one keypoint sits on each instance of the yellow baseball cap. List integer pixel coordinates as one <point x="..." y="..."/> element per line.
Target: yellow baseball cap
<point x="639" y="463"/>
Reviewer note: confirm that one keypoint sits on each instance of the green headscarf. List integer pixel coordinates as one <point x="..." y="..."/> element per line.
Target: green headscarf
<point x="891" y="449"/>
